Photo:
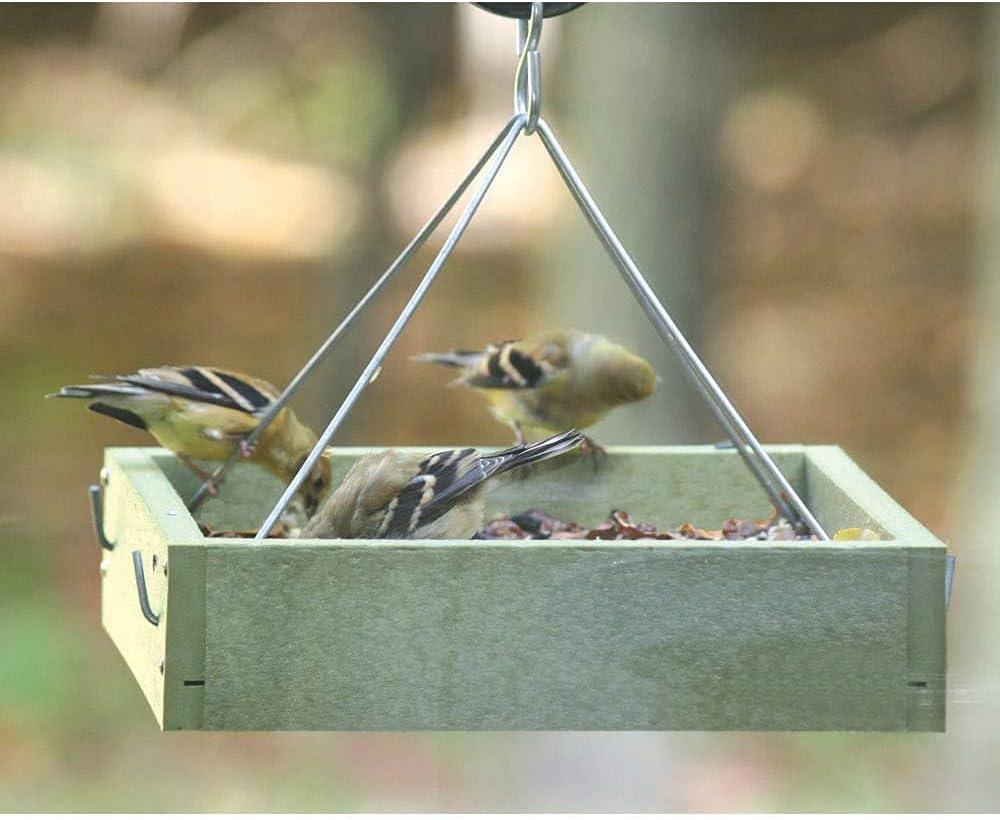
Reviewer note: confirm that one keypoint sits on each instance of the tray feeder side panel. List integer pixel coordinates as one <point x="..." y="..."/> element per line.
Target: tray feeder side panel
<point x="697" y="484"/>
<point x="131" y="523"/>
<point x="485" y="637"/>
<point x="184" y="697"/>
<point x="828" y="469"/>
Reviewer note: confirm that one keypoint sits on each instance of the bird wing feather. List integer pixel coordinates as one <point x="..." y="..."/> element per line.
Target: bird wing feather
<point x="206" y="384"/>
<point x="515" y="365"/>
<point x="441" y="480"/>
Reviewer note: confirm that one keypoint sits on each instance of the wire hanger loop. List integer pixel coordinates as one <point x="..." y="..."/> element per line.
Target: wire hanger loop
<point x="528" y="77"/>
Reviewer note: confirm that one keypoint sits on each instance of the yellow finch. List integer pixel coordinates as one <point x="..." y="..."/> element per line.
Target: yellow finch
<point x="203" y="413"/>
<point x="552" y="380"/>
<point x="389" y="494"/>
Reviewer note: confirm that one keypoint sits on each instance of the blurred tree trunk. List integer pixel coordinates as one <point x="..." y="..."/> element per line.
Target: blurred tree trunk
<point x="420" y="41"/>
<point x="642" y="91"/>
<point x="974" y="614"/>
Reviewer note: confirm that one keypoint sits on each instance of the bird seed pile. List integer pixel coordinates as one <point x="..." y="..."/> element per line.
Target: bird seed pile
<point x="539" y="525"/>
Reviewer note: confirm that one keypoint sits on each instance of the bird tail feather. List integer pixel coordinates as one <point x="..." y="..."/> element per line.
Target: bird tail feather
<point x="95" y="391"/>
<point x="522" y="454"/>
<point x="466" y="359"/>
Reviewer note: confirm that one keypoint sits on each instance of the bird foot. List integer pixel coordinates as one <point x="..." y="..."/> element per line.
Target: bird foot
<point x="211" y="487"/>
<point x="589" y="447"/>
<point x="524" y="472"/>
<point x="247" y="448"/>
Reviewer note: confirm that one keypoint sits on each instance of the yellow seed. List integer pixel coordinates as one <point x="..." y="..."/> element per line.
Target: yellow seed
<point x="856" y="534"/>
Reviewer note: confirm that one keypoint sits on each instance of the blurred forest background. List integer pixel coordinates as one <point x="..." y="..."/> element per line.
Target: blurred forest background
<point x="812" y="189"/>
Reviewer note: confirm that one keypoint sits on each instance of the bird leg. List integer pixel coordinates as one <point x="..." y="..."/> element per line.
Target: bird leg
<point x="589" y="447"/>
<point x="526" y="470"/>
<point x="247" y="448"/>
<point x="210" y="486"/>
<point x="518" y="433"/>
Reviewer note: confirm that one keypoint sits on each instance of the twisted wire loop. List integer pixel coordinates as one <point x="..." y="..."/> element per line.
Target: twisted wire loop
<point x="528" y="77"/>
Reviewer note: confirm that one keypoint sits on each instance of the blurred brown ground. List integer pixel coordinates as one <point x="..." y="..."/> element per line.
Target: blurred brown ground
<point x="217" y="184"/>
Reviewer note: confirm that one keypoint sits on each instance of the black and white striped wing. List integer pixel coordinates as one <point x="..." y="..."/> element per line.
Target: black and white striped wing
<point x="204" y="384"/>
<point x="441" y="481"/>
<point x="504" y="366"/>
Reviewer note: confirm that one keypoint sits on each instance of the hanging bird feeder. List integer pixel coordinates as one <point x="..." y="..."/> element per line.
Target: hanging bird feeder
<point x="231" y="633"/>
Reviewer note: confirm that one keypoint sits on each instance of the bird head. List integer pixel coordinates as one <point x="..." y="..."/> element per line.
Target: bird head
<point x="626" y="377"/>
<point x="315" y="486"/>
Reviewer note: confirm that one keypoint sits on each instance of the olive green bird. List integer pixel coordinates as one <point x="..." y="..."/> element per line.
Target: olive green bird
<point x="390" y="494"/>
<point x="204" y="413"/>
<point x="552" y="380"/>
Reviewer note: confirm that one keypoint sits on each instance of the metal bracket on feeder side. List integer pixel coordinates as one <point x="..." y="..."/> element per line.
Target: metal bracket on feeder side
<point x="949" y="577"/>
<point x="140" y="586"/>
<point x="527" y="120"/>
<point x="95" y="492"/>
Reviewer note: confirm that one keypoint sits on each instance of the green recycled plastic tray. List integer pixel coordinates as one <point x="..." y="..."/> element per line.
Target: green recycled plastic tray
<point x="488" y="635"/>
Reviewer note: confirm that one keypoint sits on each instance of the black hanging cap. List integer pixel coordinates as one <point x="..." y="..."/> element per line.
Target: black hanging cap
<point x="522" y="11"/>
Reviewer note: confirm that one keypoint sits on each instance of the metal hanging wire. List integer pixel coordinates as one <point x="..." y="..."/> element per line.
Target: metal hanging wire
<point x="760" y="463"/>
<point x="513" y="131"/>
<point x="272" y="410"/>
<point x="527" y="119"/>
